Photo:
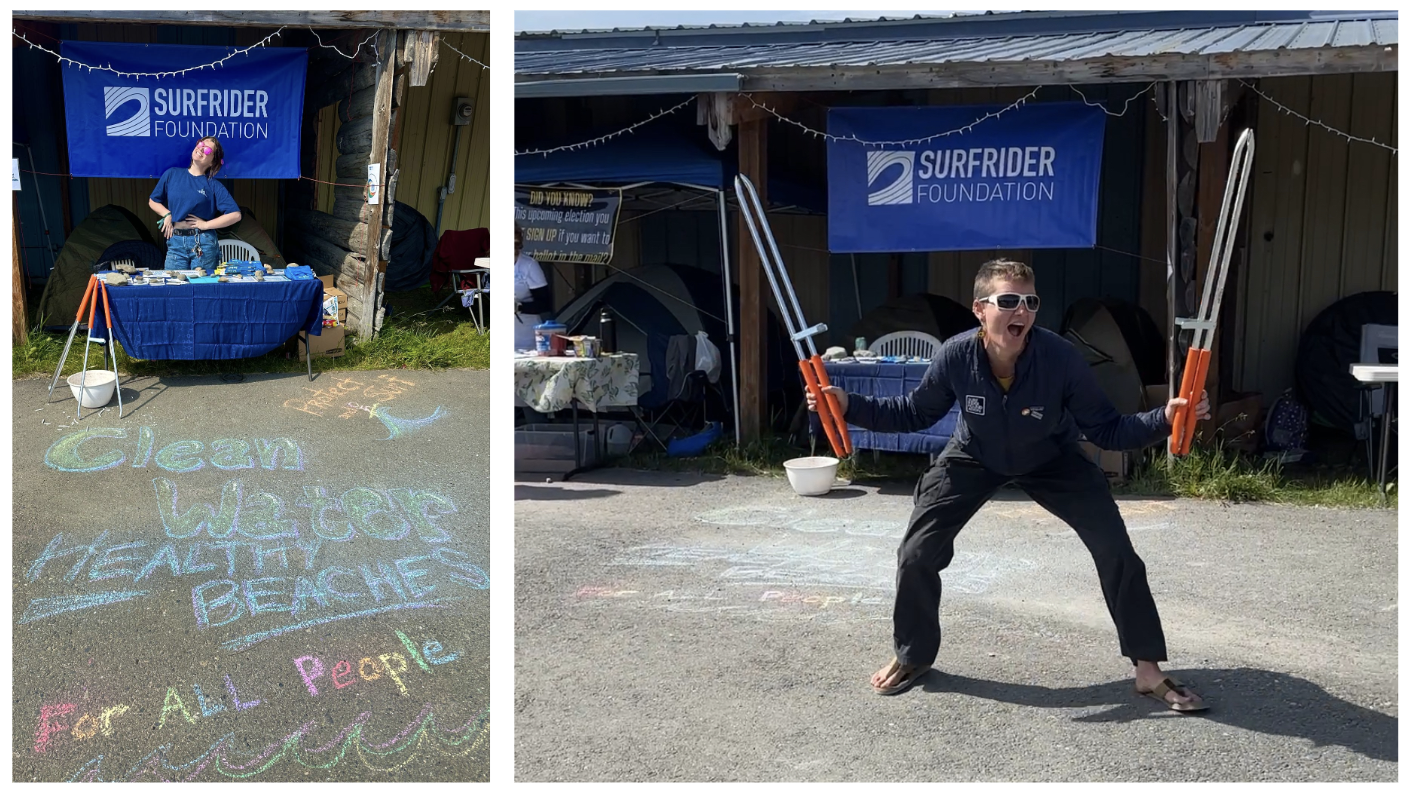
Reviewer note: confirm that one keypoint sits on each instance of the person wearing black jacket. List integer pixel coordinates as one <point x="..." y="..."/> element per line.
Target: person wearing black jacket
<point x="1026" y="394"/>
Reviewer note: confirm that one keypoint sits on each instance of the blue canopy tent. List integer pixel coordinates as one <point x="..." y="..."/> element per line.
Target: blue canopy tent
<point x="631" y="162"/>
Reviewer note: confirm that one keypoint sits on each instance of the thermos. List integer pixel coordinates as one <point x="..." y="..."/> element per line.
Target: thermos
<point x="608" y="338"/>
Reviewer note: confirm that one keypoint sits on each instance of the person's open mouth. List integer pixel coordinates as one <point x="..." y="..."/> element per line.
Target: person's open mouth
<point x="1016" y="329"/>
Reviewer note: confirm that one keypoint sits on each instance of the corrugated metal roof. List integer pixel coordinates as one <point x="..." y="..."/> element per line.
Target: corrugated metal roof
<point x="1206" y="41"/>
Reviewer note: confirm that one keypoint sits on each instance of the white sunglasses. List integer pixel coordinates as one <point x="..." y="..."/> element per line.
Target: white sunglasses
<point x="1012" y="301"/>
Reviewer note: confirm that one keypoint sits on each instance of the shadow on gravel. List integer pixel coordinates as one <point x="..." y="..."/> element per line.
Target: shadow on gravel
<point x="1247" y="698"/>
<point x="541" y="493"/>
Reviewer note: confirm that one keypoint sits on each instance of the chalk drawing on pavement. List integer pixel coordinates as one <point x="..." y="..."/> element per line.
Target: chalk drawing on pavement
<point x="350" y="397"/>
<point x="420" y="738"/>
<point x="397" y="427"/>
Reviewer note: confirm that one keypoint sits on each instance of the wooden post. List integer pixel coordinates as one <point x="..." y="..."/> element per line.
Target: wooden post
<point x="1171" y="184"/>
<point x="1212" y="182"/>
<point x="378" y="153"/>
<point x="751" y="332"/>
<point x="19" y="324"/>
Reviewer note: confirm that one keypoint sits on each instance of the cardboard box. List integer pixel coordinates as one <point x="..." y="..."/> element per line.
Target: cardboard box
<point x="1239" y="421"/>
<point x="1155" y="396"/>
<point x="1116" y="465"/>
<point x="329" y="343"/>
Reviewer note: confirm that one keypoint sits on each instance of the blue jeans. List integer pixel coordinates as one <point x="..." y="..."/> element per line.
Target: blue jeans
<point x="181" y="252"/>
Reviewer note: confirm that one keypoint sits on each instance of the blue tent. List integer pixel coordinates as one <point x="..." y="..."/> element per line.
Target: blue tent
<point x="628" y="159"/>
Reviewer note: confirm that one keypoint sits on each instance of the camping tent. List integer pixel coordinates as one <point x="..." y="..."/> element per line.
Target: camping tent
<point x="106" y="226"/>
<point x="631" y="162"/>
<point x="69" y="278"/>
<point x="410" y="254"/>
<point x="1122" y="345"/>
<point x="650" y="305"/>
<point x="934" y="314"/>
<point x="1330" y="343"/>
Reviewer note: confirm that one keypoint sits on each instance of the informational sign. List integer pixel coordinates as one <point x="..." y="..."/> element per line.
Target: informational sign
<point x="568" y="225"/>
<point x="374" y="183"/>
<point x="14" y="174"/>
<point x="1028" y="178"/>
<point x="124" y="126"/>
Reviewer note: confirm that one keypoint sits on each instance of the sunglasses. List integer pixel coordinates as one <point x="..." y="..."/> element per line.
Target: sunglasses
<point x="1013" y="301"/>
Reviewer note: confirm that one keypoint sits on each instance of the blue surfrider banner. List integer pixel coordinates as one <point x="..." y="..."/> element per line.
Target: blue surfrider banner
<point x="1028" y="178"/>
<point x="140" y="127"/>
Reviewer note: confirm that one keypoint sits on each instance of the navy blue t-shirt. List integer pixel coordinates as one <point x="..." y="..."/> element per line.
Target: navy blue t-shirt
<point x="185" y="194"/>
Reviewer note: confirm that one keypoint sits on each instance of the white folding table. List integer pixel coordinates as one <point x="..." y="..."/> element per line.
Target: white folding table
<point x="1388" y="376"/>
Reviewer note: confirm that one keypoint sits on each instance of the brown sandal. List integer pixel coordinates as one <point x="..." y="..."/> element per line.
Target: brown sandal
<point x="911" y="674"/>
<point x="1158" y="691"/>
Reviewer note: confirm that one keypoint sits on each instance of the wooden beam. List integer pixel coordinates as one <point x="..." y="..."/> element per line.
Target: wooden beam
<point x="378" y="153"/>
<point x="408" y="20"/>
<point x="19" y="321"/>
<point x="1212" y="182"/>
<point x="751" y="332"/>
<point x="424" y="55"/>
<point x="1277" y="63"/>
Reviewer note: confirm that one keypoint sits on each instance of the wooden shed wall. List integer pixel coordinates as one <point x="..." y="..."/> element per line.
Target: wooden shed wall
<point x="262" y="197"/>
<point x="427" y="143"/>
<point x="1324" y="221"/>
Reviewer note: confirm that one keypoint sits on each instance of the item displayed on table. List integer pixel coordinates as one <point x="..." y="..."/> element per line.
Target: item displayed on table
<point x="296" y="272"/>
<point x="550" y="339"/>
<point x="608" y="336"/>
<point x="115" y="278"/>
<point x="584" y="345"/>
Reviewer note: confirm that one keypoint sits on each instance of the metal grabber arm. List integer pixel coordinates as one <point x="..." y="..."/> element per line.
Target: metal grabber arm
<point x="1195" y="367"/>
<point x="812" y="368"/>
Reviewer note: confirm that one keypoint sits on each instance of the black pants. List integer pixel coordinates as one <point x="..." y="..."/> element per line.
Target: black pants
<point x="1072" y="488"/>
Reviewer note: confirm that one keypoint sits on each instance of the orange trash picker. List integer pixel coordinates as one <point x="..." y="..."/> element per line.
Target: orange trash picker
<point x="95" y="293"/>
<point x="811" y="368"/>
<point x="1195" y="368"/>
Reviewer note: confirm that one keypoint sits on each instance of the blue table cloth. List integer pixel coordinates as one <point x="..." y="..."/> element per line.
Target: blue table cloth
<point x="212" y="321"/>
<point x="888" y="379"/>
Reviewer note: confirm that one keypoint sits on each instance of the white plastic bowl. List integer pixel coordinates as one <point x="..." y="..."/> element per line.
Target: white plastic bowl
<point x="97" y="387"/>
<point x="812" y="476"/>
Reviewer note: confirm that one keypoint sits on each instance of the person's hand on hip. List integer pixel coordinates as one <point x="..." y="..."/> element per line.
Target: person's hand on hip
<point x="841" y="398"/>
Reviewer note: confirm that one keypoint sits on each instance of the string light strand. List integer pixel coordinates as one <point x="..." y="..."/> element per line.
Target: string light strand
<point x="1318" y="123"/>
<point x="1103" y="106"/>
<point x="353" y="57"/>
<point x="601" y="139"/>
<point x="464" y="55"/>
<point x="901" y="143"/>
<point x="158" y="75"/>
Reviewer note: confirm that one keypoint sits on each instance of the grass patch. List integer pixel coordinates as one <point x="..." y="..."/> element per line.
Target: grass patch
<point x="1206" y="473"/>
<point x="410" y="339"/>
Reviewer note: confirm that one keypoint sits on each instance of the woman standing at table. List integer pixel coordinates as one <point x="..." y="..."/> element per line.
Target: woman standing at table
<point x="532" y="295"/>
<point x="202" y="204"/>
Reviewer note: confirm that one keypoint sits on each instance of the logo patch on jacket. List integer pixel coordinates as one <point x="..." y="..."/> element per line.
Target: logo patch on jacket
<point x="1034" y="411"/>
<point x="976" y="405"/>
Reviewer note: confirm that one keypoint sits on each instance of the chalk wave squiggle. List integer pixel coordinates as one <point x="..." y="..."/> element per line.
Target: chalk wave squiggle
<point x="421" y="735"/>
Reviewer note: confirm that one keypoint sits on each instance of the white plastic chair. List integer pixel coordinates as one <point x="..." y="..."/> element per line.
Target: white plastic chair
<point x="235" y="249"/>
<point x="906" y="343"/>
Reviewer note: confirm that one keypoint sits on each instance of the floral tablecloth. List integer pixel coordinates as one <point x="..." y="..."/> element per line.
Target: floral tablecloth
<point x="548" y="384"/>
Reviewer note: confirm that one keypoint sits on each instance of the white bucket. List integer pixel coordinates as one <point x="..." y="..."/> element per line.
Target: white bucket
<point x="617" y="439"/>
<point x="812" y="476"/>
<point x="97" y="389"/>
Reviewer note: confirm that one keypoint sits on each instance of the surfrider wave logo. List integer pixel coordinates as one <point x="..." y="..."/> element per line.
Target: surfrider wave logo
<point x="899" y="192"/>
<point x="140" y="123"/>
